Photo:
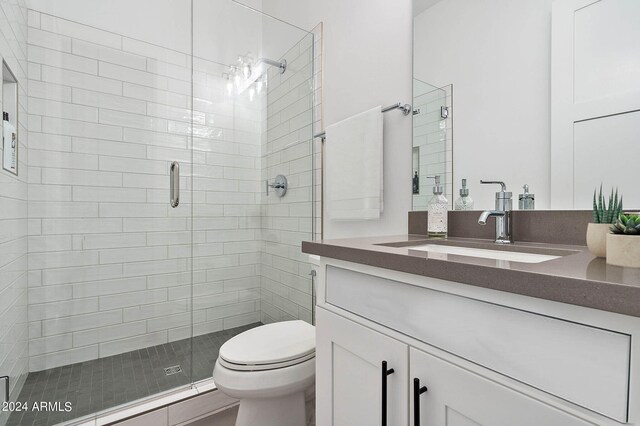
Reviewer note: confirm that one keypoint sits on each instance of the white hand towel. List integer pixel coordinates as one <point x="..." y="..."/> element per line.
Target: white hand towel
<point x="353" y="155"/>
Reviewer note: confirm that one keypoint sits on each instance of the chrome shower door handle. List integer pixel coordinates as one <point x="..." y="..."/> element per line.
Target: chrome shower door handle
<point x="174" y="184"/>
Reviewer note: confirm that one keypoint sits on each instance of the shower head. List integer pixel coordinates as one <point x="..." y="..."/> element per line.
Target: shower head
<point x="280" y="64"/>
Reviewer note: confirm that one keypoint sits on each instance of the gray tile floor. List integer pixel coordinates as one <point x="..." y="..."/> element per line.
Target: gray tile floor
<point x="107" y="382"/>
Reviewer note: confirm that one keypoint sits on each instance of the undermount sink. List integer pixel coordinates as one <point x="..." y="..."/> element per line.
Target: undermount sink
<point x="512" y="256"/>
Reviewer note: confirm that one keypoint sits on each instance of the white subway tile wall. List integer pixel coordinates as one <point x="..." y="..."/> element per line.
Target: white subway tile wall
<point x="13" y="214"/>
<point x="110" y="260"/>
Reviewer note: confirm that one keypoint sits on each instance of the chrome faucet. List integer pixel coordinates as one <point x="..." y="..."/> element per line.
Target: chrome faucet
<point x="502" y="213"/>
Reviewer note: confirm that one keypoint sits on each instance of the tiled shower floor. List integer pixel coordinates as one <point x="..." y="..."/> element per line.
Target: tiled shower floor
<point x="107" y="382"/>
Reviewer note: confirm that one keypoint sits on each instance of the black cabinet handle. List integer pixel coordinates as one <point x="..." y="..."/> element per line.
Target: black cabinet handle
<point x="385" y="372"/>
<point x="417" y="391"/>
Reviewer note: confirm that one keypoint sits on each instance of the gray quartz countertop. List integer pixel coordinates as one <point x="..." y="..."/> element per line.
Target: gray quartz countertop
<point x="576" y="277"/>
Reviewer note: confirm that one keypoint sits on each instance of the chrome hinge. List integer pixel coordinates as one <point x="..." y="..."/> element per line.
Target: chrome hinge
<point x="6" y="387"/>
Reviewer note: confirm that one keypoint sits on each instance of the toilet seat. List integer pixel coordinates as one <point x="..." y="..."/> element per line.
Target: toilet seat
<point x="269" y="347"/>
<point x="263" y="367"/>
<point x="269" y="369"/>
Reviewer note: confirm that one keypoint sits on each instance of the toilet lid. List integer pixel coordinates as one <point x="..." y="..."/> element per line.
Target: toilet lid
<point x="278" y="343"/>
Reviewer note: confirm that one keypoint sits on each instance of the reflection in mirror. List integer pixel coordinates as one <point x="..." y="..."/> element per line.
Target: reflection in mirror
<point x="547" y="94"/>
<point x="9" y="120"/>
<point x="595" y="99"/>
<point x="432" y="141"/>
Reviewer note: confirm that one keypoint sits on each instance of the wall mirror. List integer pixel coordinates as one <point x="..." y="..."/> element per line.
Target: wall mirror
<point x="547" y="94"/>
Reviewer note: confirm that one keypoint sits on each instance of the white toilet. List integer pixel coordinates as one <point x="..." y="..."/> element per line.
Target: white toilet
<point x="269" y="369"/>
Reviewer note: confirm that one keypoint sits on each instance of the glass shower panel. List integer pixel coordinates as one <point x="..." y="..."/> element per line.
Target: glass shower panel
<point x="253" y="93"/>
<point x="432" y="142"/>
<point x="286" y="283"/>
<point x="109" y="211"/>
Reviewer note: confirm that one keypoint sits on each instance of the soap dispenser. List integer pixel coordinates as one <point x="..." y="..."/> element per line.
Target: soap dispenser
<point x="526" y="201"/>
<point x="437" y="211"/>
<point x="9" y="134"/>
<point x="465" y="202"/>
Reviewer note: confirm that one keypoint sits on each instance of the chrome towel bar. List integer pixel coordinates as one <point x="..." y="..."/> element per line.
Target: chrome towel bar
<point x="405" y="108"/>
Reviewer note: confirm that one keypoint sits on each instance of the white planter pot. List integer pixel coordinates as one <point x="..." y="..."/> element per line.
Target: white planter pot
<point x="623" y="250"/>
<point x="597" y="238"/>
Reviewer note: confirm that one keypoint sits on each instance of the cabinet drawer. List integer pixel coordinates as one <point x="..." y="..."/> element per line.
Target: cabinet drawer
<point x="585" y="365"/>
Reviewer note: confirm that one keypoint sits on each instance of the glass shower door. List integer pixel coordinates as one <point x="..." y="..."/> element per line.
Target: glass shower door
<point x="253" y="174"/>
<point x="109" y="215"/>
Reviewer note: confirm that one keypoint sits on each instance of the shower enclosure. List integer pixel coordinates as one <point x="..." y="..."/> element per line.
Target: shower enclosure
<point x="146" y="226"/>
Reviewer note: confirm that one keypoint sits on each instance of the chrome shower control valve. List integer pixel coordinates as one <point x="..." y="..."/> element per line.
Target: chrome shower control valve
<point x="279" y="185"/>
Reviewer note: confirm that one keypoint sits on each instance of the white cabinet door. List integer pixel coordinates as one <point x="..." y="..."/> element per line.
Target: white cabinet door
<point x="349" y="378"/>
<point x="458" y="397"/>
<point x="496" y="337"/>
<point x="595" y="96"/>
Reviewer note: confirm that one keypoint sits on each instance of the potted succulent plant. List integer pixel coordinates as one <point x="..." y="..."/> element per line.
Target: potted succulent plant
<point x="604" y="215"/>
<point x="623" y="245"/>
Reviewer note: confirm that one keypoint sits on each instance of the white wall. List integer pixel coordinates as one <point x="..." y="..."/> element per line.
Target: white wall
<point x="497" y="55"/>
<point x="367" y="47"/>
<point x="420" y="6"/>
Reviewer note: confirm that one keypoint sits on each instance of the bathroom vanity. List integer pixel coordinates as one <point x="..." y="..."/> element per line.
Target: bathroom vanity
<point x="409" y="335"/>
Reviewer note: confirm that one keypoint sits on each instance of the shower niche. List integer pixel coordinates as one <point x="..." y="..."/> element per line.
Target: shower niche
<point x="9" y="120"/>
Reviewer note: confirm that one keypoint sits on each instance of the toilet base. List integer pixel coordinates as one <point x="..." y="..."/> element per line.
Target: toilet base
<point x="288" y="410"/>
